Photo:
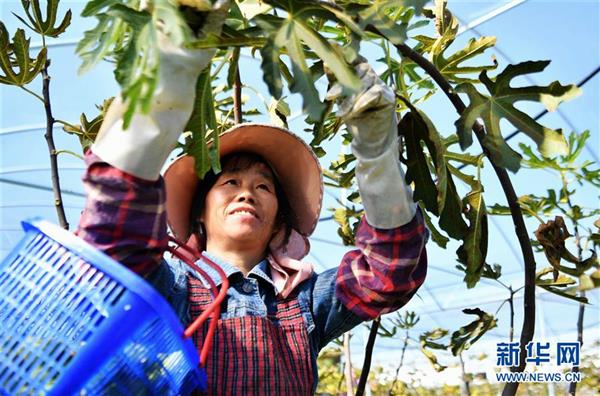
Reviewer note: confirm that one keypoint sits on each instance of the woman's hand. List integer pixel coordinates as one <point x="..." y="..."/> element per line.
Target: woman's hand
<point x="370" y="116"/>
<point x="144" y="147"/>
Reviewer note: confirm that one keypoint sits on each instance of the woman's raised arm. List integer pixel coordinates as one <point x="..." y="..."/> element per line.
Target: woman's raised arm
<point x="125" y="213"/>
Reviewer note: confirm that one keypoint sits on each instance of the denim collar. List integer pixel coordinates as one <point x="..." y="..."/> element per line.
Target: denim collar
<point x="260" y="271"/>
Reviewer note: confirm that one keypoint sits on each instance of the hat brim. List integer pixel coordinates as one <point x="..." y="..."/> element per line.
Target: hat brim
<point x="295" y="164"/>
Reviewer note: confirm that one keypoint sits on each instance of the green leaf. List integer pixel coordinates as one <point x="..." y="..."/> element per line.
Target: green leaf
<point x="451" y="67"/>
<point x="444" y="21"/>
<point x="303" y="83"/>
<point x="384" y="332"/>
<point x="383" y="14"/>
<point x="130" y="36"/>
<point x="576" y="145"/>
<point x="464" y="158"/>
<point x="406" y="321"/>
<point x="344" y="18"/>
<point x="473" y="251"/>
<point x="136" y="20"/>
<point x="270" y="67"/>
<point x="252" y="8"/>
<point x="88" y="130"/>
<point x="212" y="41"/>
<point x="491" y="272"/>
<point x="348" y="221"/>
<point x="233" y="69"/>
<point x="559" y="285"/>
<point x="203" y="125"/>
<point x="28" y="68"/>
<point x="94" y="7"/>
<point x="446" y="26"/>
<point x="325" y="128"/>
<point x="463" y="338"/>
<point x="447" y="205"/>
<point x="137" y="63"/>
<point x="333" y="59"/>
<point x="45" y="27"/>
<point x="565" y="163"/>
<point x="98" y="42"/>
<point x="417" y="170"/>
<point x="168" y="18"/>
<point x="406" y="75"/>
<point x="500" y="104"/>
<point x="279" y="111"/>
<point x="533" y="205"/>
<point x="426" y="340"/>
<point x="590" y="282"/>
<point x="436" y="235"/>
<point x="451" y="219"/>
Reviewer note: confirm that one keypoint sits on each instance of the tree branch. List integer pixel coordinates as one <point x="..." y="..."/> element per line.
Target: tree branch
<point x="348" y="365"/>
<point x="511" y="303"/>
<point x="405" y="344"/>
<point x="528" y="328"/>
<point x="237" y="97"/>
<point x="580" y="316"/>
<point x="364" y="374"/>
<point x="465" y="387"/>
<point x="58" y="203"/>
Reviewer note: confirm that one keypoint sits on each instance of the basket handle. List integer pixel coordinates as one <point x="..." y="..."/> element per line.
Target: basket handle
<point x="214" y="308"/>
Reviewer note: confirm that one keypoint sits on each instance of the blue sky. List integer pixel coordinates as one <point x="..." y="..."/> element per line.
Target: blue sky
<point x="565" y="32"/>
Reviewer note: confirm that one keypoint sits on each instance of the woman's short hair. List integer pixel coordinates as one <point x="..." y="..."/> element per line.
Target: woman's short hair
<point x="232" y="163"/>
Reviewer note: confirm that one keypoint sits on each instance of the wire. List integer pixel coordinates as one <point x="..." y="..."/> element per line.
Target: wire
<point x="489" y="16"/>
<point x="40" y="187"/>
<point x="26" y="128"/>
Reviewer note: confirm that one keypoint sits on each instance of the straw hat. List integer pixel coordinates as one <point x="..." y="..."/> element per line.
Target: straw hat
<point x="295" y="164"/>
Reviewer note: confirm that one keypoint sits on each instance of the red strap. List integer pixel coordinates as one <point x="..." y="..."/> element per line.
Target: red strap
<point x="214" y="309"/>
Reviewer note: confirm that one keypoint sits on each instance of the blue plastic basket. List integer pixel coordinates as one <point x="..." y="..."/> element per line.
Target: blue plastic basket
<point x="74" y="321"/>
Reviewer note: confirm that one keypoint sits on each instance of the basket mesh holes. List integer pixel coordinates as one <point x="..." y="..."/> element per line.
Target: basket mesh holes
<point x="14" y="286"/>
<point x="9" y="383"/>
<point x="10" y="348"/>
<point x="25" y="389"/>
<point x="35" y="243"/>
<point x="69" y="358"/>
<point x="23" y="357"/>
<point x="7" y="341"/>
<point x="26" y="267"/>
<point x="10" y="316"/>
<point x="29" y="240"/>
<point x="37" y="370"/>
<point x="58" y="352"/>
<point x="46" y="252"/>
<point x="51" y="380"/>
<point x="115" y="295"/>
<point x="3" y="372"/>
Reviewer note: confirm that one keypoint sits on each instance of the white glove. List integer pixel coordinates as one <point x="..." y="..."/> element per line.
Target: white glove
<point x="370" y="117"/>
<point x="142" y="149"/>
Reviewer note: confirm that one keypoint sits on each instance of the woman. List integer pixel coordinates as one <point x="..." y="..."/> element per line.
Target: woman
<point x="254" y="219"/>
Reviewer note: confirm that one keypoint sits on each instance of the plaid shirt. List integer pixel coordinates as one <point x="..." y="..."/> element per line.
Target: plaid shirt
<point x="126" y="218"/>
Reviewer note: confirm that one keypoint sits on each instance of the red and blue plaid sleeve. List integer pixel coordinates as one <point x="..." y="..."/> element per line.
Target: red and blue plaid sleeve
<point x="387" y="269"/>
<point x="124" y="216"/>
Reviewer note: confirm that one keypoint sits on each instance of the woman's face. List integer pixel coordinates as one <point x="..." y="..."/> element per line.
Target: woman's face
<point x="241" y="207"/>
